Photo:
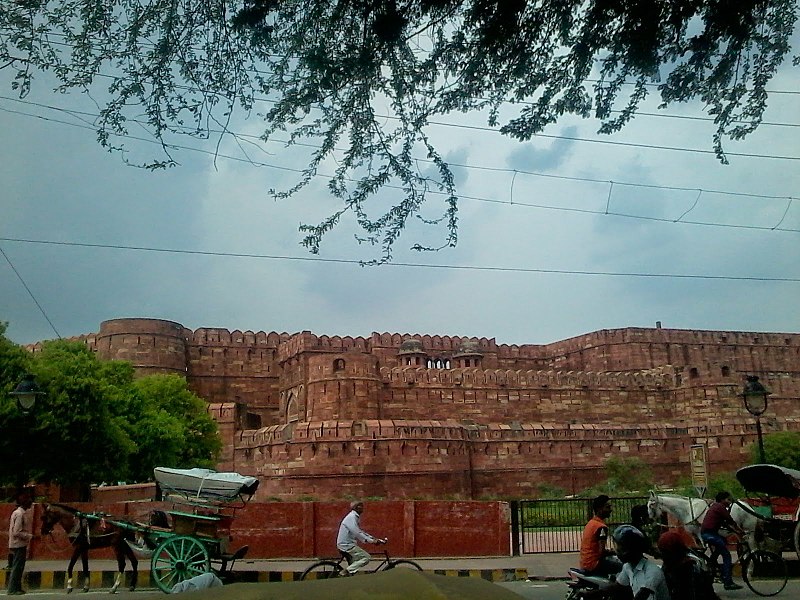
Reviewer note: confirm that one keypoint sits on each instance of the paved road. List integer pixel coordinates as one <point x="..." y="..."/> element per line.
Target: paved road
<point x="531" y="590"/>
<point x="556" y="590"/>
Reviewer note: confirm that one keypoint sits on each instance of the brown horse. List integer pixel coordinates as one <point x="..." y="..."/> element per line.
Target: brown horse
<point x="89" y="532"/>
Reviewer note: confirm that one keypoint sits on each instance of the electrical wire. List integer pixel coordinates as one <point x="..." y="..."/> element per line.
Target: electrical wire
<point x="249" y="255"/>
<point x="478" y="198"/>
<point x="30" y="293"/>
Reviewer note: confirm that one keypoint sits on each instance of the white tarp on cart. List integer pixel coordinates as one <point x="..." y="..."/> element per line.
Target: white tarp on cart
<point x="205" y="484"/>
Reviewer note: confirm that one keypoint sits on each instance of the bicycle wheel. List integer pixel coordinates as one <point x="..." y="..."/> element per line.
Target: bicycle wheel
<point x="764" y="572"/>
<point x="324" y="569"/>
<point x="403" y="564"/>
<point x="796" y="539"/>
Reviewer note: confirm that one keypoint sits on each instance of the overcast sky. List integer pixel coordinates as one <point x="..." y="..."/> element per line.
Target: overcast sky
<point x="538" y="260"/>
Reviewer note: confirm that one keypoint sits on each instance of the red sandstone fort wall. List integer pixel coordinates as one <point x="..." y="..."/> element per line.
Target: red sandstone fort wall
<point x="342" y="417"/>
<point x="419" y="459"/>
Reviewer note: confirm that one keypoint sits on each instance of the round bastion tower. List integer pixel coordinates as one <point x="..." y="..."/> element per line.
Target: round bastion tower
<point x="151" y="345"/>
<point x="342" y="386"/>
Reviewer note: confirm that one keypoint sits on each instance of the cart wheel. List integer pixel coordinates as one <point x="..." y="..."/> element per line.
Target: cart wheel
<point x="176" y="559"/>
<point x="796" y="539"/>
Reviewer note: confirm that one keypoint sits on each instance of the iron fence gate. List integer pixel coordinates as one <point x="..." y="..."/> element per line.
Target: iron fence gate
<point x="556" y="525"/>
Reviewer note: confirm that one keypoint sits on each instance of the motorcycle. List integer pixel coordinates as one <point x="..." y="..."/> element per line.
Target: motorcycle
<point x="579" y="583"/>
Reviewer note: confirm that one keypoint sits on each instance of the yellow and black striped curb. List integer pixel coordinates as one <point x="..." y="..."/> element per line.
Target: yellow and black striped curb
<point x="57" y="580"/>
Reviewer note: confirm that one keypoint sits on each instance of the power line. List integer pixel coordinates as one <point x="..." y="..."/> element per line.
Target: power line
<point x="475" y="198"/>
<point x="541" y="135"/>
<point x="78" y="113"/>
<point x="30" y="293"/>
<point x="248" y="255"/>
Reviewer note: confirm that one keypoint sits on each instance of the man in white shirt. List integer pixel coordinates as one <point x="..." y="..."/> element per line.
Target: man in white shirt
<point x="20" y="534"/>
<point x="350" y="533"/>
<point x="641" y="576"/>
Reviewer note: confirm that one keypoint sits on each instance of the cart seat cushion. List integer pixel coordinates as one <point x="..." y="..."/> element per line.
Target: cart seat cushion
<point x="158" y="518"/>
<point x="240" y="553"/>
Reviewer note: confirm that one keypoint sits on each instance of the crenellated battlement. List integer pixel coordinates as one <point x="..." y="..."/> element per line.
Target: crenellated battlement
<point x="212" y="336"/>
<point x="404" y="415"/>
<point x="654" y="379"/>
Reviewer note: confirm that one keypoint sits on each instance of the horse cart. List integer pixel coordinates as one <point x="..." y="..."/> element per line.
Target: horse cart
<point x="191" y="539"/>
<point x="775" y="501"/>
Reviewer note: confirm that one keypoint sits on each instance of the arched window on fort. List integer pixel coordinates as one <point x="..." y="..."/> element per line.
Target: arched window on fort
<point x="447" y="363"/>
<point x="726" y="371"/>
<point x="292" y="414"/>
<point x="693" y="374"/>
<point x="429" y="364"/>
<point x="338" y="364"/>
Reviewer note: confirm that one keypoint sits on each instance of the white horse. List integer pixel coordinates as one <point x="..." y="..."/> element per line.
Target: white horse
<point x="689" y="512"/>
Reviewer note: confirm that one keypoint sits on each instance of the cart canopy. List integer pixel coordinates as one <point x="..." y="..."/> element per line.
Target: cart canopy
<point x="205" y="484"/>
<point x="772" y="480"/>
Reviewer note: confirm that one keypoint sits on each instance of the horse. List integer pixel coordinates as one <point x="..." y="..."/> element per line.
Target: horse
<point x="690" y="512"/>
<point x="90" y="532"/>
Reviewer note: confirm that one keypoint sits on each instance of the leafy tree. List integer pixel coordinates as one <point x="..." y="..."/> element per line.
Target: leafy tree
<point x="75" y="438"/>
<point x="780" y="448"/>
<point x="623" y="475"/>
<point x="172" y="427"/>
<point x="14" y="364"/>
<point x="360" y="80"/>
<point x="95" y="421"/>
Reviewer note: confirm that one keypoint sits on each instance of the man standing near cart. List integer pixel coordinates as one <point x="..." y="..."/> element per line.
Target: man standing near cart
<point x="350" y="533"/>
<point x="20" y="534"/>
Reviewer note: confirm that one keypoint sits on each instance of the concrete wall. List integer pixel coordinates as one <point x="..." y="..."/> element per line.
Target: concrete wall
<point x="308" y="529"/>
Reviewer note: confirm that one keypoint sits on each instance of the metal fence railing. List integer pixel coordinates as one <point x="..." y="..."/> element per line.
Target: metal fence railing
<point x="557" y="525"/>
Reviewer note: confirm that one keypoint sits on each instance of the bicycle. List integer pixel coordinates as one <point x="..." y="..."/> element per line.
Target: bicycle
<point x="330" y="568"/>
<point x="764" y="572"/>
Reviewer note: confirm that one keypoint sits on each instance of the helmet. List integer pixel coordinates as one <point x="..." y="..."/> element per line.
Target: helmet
<point x="630" y="536"/>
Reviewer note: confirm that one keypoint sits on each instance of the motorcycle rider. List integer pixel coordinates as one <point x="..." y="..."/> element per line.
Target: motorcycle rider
<point x="596" y="557"/>
<point x="639" y="576"/>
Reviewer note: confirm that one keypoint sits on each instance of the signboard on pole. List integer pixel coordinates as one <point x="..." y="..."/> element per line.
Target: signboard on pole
<point x="697" y="461"/>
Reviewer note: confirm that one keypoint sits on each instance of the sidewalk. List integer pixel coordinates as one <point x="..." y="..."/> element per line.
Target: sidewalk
<point x="50" y="574"/>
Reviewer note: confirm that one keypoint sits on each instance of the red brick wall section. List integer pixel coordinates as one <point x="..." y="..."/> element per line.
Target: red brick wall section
<point x="309" y="529"/>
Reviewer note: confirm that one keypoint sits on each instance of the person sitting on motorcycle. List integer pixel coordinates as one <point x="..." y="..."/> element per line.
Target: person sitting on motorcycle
<point x="687" y="578"/>
<point x="596" y="557"/>
<point x="639" y="576"/>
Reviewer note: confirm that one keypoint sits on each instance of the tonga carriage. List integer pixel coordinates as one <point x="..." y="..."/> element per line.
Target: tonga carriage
<point x="186" y="541"/>
<point x="776" y="504"/>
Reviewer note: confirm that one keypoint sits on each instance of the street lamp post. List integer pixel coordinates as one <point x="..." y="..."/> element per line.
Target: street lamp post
<point x="755" y="401"/>
<point x="25" y="395"/>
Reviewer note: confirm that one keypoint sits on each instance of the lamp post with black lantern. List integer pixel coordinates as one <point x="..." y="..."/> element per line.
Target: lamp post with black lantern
<point x="755" y="401"/>
<point x="25" y="395"/>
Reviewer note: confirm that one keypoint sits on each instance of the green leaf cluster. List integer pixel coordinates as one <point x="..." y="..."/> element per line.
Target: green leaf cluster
<point x="624" y="476"/>
<point x="780" y="448"/>
<point x="356" y="83"/>
<point x="95" y="421"/>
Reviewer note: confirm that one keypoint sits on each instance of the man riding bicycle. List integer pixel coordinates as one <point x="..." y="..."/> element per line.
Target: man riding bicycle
<point x="350" y="533"/>
<point x="718" y="516"/>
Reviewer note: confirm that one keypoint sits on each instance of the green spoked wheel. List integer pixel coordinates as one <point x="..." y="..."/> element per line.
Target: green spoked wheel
<point x="176" y="559"/>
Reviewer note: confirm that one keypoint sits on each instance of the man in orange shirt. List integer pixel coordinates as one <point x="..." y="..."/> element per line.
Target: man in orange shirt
<point x="596" y="559"/>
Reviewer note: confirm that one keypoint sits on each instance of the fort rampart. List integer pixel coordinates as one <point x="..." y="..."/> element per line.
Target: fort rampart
<point x="421" y="416"/>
